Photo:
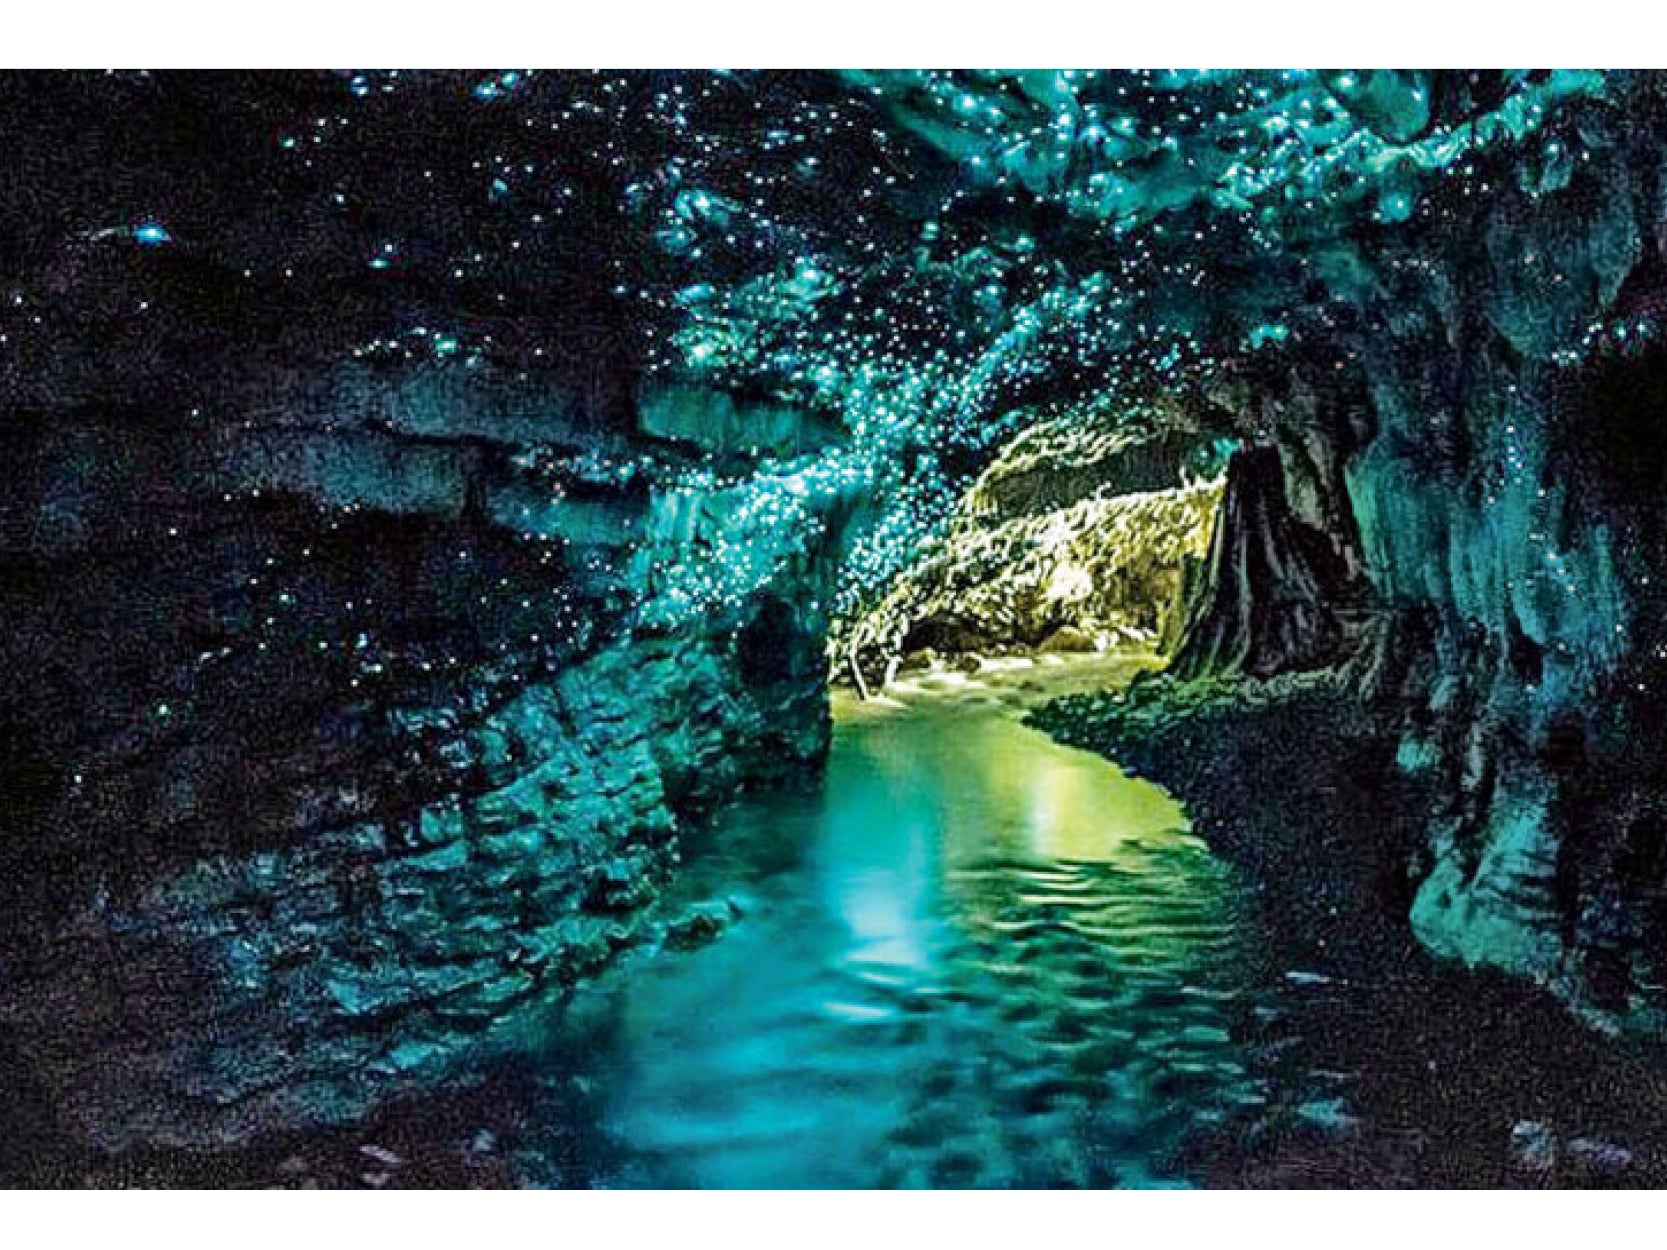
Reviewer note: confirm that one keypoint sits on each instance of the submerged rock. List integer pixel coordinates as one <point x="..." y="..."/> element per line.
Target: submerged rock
<point x="1601" y="1159"/>
<point x="1536" y="1148"/>
<point x="1067" y="638"/>
<point x="382" y="1155"/>
<point x="700" y="924"/>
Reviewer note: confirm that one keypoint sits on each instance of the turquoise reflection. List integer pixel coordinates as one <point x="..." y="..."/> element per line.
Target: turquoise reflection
<point x="971" y="957"/>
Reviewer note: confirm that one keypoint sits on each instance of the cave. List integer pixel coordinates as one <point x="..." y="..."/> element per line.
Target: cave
<point x="908" y="628"/>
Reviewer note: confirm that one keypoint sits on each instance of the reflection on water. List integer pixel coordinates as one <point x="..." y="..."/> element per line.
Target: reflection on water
<point x="970" y="957"/>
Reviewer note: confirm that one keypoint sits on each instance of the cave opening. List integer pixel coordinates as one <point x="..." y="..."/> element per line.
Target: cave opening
<point x="1071" y="542"/>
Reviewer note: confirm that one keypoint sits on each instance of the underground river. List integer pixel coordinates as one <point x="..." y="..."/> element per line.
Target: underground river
<point x="967" y="956"/>
<point x="971" y="956"/>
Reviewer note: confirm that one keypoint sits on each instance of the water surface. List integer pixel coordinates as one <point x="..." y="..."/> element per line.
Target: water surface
<point x="968" y="956"/>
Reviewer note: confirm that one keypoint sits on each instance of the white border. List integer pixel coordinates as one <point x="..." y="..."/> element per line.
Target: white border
<point x="419" y="33"/>
<point x="830" y="1221"/>
<point x="784" y="33"/>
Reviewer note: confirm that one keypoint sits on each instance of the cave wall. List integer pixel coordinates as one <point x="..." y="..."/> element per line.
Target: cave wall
<point x="1501" y="454"/>
<point x="1272" y="594"/>
<point x="345" y="735"/>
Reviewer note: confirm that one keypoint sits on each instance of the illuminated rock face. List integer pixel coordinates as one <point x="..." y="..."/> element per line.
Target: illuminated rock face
<point x="1501" y="472"/>
<point x="250" y="991"/>
<point x="1271" y="589"/>
<point x="1510" y="504"/>
<point x="355" y="760"/>
<point x="1072" y="539"/>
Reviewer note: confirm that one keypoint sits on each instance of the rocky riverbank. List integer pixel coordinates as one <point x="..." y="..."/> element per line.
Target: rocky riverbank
<point x="1471" y="1078"/>
<point x="349" y="759"/>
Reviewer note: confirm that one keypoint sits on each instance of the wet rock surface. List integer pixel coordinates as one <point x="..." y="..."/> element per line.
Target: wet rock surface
<point x="385" y="778"/>
<point x="1438" y="1076"/>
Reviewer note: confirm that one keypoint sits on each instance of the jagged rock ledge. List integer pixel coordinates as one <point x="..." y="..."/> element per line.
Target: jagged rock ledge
<point x="406" y="756"/>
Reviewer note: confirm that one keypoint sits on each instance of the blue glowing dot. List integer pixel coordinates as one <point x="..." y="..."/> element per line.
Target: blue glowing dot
<point x="152" y="234"/>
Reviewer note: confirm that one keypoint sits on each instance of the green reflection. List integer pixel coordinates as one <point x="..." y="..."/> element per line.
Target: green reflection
<point x="982" y="959"/>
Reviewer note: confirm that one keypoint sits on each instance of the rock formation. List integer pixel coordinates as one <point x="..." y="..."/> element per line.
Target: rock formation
<point x="350" y="757"/>
<point x="1073" y="539"/>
